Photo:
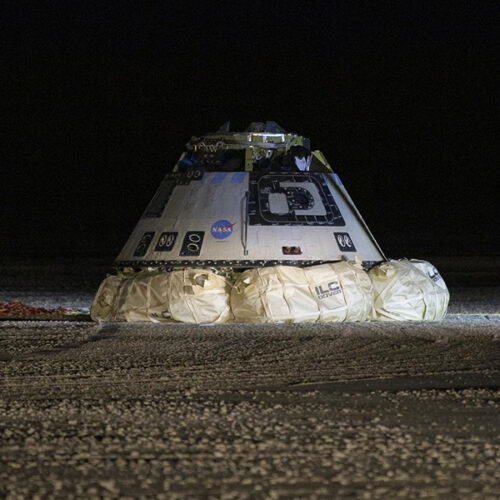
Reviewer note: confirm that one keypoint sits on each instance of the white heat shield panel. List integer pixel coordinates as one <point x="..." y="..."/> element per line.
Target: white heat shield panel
<point x="249" y="219"/>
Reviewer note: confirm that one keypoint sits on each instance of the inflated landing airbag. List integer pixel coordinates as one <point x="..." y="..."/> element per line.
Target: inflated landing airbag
<point x="328" y="292"/>
<point x="190" y="296"/>
<point x="341" y="291"/>
<point x="408" y="290"/>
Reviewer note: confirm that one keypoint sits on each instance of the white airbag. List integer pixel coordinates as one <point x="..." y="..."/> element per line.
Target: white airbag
<point x="408" y="290"/>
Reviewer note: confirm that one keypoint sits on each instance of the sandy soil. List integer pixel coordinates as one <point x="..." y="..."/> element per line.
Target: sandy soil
<point x="235" y="411"/>
<point x="367" y="410"/>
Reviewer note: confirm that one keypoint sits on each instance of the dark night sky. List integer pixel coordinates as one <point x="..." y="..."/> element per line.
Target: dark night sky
<point x="99" y="100"/>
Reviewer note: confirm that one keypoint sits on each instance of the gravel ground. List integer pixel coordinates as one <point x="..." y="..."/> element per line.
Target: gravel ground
<point x="354" y="410"/>
<point x="240" y="411"/>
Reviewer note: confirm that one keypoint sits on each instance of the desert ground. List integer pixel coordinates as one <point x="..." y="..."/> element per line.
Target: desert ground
<point x="325" y="410"/>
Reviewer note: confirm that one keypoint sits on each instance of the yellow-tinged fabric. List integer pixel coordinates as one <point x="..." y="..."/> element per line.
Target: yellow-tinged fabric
<point x="144" y="298"/>
<point x="198" y="296"/>
<point x="190" y="296"/>
<point x="408" y="290"/>
<point x="325" y="288"/>
<point x="327" y="292"/>
<point x="342" y="291"/>
<point x="104" y="302"/>
<point x="357" y="288"/>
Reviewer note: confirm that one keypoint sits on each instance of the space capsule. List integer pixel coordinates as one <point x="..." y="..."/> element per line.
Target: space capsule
<point x="260" y="197"/>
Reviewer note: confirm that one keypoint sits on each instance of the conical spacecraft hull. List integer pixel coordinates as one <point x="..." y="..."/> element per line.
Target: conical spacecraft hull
<point x="260" y="212"/>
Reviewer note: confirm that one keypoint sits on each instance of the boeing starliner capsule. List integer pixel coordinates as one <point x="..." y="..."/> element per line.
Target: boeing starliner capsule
<point x="245" y="199"/>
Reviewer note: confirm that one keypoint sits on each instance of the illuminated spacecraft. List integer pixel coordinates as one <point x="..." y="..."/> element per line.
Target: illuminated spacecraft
<point x="255" y="227"/>
<point x="260" y="197"/>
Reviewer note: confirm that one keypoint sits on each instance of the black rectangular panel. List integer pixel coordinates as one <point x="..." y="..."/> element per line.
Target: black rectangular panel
<point x="166" y="242"/>
<point x="344" y="242"/>
<point x="143" y="245"/>
<point x="161" y="197"/>
<point x="191" y="245"/>
<point x="298" y="199"/>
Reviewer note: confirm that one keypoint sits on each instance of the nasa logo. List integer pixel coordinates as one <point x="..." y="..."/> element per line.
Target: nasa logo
<point x="222" y="229"/>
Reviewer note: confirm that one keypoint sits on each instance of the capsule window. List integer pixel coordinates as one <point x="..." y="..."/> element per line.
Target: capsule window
<point x="292" y="251"/>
